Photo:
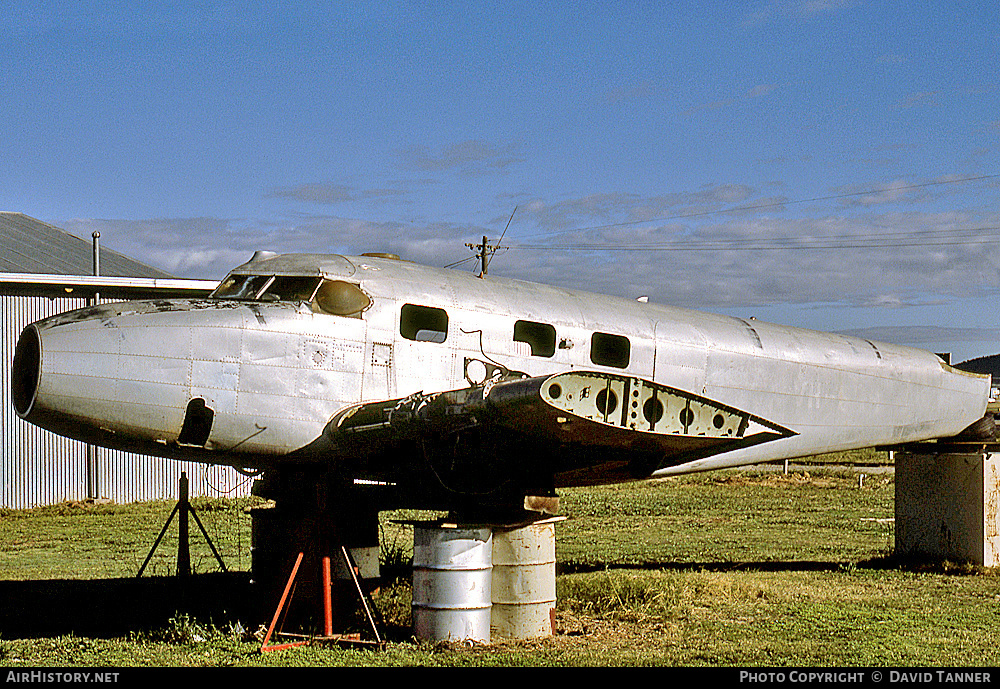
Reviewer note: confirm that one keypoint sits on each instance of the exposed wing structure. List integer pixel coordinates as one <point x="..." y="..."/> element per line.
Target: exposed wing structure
<point x="608" y="410"/>
<point x="575" y="426"/>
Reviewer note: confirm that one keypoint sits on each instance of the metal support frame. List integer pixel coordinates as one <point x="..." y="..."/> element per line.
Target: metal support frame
<point x="182" y="508"/>
<point x="371" y="612"/>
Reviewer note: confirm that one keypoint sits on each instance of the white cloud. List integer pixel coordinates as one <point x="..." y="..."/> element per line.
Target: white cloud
<point x="473" y="157"/>
<point x="330" y="193"/>
<point x="624" y="93"/>
<point x="690" y="249"/>
<point x="890" y="59"/>
<point x="811" y="7"/>
<point x="761" y="90"/>
<point x="916" y="99"/>
<point x="924" y="334"/>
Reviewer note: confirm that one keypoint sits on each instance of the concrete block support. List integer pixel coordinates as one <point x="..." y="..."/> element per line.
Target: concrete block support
<point x="947" y="506"/>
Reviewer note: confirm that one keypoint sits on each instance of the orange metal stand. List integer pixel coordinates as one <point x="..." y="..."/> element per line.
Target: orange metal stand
<point x="328" y="636"/>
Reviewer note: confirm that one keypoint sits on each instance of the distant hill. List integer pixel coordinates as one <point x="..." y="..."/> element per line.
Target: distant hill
<point x="984" y="364"/>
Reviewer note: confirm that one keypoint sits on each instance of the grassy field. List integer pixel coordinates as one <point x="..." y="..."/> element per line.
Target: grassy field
<point x="720" y="569"/>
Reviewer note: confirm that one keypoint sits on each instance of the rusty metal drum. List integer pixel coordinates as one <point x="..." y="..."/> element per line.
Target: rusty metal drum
<point x="452" y="569"/>
<point x="524" y="581"/>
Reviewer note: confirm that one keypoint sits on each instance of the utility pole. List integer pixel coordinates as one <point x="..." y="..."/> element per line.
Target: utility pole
<point x="483" y="251"/>
<point x="92" y="470"/>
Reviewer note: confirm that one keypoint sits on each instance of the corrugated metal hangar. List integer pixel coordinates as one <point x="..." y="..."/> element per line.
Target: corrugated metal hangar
<point x="44" y="271"/>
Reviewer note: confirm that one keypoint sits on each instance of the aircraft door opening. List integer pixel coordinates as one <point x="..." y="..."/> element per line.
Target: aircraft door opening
<point x="379" y="376"/>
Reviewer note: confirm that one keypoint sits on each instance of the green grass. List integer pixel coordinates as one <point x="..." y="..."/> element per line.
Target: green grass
<point x="849" y="617"/>
<point x="728" y="518"/>
<point x="80" y="540"/>
<point x="865" y="457"/>
<point x="722" y="569"/>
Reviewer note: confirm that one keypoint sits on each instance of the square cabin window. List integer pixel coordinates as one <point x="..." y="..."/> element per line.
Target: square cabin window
<point x="610" y="350"/>
<point x="423" y="323"/>
<point x="540" y="336"/>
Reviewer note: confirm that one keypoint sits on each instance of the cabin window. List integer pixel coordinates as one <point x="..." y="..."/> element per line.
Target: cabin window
<point x="540" y="336"/>
<point x="610" y="350"/>
<point x="423" y="323"/>
<point x="341" y="299"/>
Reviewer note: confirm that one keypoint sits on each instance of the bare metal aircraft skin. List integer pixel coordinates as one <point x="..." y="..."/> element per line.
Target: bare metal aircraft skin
<point x="438" y="387"/>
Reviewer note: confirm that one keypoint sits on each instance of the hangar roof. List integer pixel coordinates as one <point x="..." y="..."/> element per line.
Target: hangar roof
<point x="28" y="245"/>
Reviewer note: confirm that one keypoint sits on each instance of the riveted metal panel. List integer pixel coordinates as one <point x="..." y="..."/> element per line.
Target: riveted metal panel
<point x="38" y="467"/>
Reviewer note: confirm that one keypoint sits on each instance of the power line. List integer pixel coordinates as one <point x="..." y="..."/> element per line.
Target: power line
<point x="485" y="251"/>
<point x="487" y="260"/>
<point x="879" y="240"/>
<point x="772" y="204"/>
<point x="924" y="238"/>
<point x="464" y="260"/>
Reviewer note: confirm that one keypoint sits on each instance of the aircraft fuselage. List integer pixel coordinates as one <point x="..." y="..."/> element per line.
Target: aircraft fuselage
<point x="255" y="373"/>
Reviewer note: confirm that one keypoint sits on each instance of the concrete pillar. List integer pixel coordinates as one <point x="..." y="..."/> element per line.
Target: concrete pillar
<point x="947" y="506"/>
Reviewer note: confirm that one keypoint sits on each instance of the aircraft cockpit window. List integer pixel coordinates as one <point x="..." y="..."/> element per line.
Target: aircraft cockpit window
<point x="241" y="287"/>
<point x="541" y="337"/>
<point x="341" y="299"/>
<point x="610" y="350"/>
<point x="423" y="323"/>
<point x="291" y="288"/>
<point x="268" y="287"/>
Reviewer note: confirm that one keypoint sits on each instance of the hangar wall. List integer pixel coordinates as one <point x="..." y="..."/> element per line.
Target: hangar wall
<point x="39" y="468"/>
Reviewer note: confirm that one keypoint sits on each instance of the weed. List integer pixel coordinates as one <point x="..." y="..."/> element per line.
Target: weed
<point x="183" y="629"/>
<point x="395" y="552"/>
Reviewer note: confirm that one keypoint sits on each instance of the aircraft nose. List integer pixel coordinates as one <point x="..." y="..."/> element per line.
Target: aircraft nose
<point x="82" y="374"/>
<point x="61" y="374"/>
<point x="26" y="371"/>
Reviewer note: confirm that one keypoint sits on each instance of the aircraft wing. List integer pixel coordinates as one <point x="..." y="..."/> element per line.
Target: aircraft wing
<point x="572" y="423"/>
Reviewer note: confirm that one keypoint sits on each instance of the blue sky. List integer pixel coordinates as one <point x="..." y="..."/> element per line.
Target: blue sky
<point x="824" y="163"/>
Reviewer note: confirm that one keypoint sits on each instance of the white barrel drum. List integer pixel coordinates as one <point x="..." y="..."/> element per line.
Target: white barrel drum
<point x="524" y="581"/>
<point x="452" y="570"/>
